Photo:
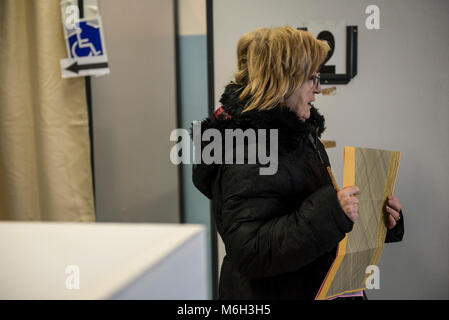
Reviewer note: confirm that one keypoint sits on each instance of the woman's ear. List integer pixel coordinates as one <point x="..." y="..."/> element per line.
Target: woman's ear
<point x="282" y="102"/>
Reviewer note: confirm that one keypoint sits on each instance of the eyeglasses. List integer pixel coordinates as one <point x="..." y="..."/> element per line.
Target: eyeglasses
<point x="316" y="79"/>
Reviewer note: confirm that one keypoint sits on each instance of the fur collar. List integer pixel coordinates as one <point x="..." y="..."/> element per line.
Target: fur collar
<point x="291" y="131"/>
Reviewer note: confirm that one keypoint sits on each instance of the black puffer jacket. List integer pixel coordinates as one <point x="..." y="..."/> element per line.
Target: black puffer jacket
<point x="280" y="231"/>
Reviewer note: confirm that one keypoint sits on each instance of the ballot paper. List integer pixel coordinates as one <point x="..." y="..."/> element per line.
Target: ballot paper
<point x="374" y="172"/>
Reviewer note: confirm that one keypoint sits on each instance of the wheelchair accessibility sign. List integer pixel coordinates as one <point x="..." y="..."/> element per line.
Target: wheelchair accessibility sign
<point x="85" y="41"/>
<point x="85" y="49"/>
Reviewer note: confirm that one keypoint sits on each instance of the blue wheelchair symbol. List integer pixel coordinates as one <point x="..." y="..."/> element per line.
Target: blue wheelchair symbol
<point x="86" y="40"/>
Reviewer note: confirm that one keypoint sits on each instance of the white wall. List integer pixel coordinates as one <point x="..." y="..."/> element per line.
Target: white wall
<point x="134" y="112"/>
<point x="398" y="101"/>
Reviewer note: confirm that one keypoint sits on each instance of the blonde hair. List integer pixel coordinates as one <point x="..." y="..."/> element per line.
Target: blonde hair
<point x="273" y="63"/>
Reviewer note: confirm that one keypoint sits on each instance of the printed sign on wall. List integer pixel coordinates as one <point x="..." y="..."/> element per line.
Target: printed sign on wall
<point x="85" y="44"/>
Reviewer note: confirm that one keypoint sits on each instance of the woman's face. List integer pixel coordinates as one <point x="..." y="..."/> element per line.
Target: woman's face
<point x="301" y="99"/>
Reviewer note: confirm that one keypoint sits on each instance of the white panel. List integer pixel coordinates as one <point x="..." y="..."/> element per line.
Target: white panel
<point x="192" y="17"/>
<point x="113" y="261"/>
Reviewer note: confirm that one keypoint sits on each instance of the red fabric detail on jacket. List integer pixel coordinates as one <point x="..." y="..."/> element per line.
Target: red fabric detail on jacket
<point x="220" y="111"/>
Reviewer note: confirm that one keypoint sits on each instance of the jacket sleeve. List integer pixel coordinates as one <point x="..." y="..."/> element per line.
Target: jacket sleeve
<point x="397" y="233"/>
<point x="261" y="241"/>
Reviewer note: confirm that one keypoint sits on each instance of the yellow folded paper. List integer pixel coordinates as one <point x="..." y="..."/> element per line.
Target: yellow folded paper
<point x="374" y="172"/>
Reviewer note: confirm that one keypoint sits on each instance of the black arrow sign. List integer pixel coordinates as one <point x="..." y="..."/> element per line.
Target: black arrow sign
<point x="75" y="67"/>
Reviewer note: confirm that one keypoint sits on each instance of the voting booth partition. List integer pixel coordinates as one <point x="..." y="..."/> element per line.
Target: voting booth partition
<point x="96" y="261"/>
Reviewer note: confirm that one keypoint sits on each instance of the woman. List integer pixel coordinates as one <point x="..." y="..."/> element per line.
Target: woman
<point x="280" y="231"/>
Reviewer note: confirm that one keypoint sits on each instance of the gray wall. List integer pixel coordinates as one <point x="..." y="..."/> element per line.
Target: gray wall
<point x="398" y="101"/>
<point x="134" y="112"/>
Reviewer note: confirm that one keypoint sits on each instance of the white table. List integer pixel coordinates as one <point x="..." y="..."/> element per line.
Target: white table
<point x="108" y="260"/>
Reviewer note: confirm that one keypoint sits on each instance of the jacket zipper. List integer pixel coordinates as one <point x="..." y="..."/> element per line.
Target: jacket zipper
<point x="312" y="140"/>
<point x="327" y="173"/>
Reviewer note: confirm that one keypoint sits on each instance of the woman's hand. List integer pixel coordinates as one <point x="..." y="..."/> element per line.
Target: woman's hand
<point x="349" y="202"/>
<point x="393" y="208"/>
